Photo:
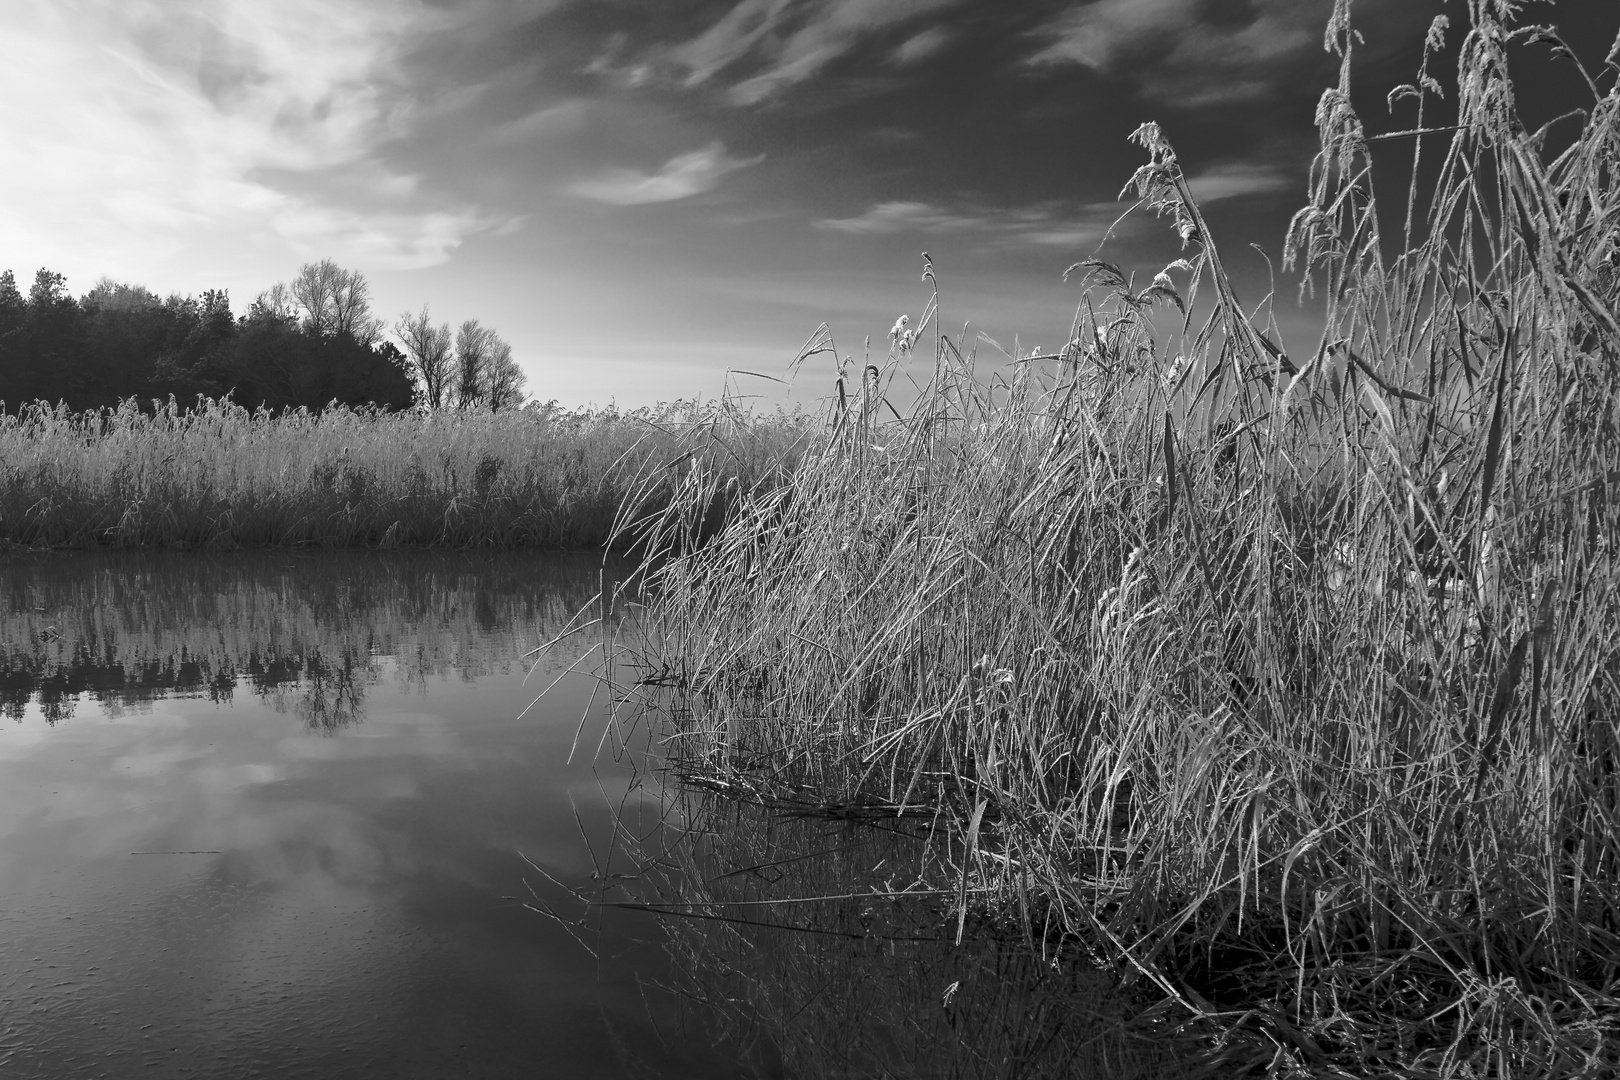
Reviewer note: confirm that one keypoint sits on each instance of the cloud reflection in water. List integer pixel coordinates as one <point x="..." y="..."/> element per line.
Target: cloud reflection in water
<point x="339" y="736"/>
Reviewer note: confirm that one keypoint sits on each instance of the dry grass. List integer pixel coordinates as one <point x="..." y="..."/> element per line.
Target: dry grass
<point x="1284" y="680"/>
<point x="219" y="475"/>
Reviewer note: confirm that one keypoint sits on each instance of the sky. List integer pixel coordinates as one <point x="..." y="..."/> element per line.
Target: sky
<point x="642" y="195"/>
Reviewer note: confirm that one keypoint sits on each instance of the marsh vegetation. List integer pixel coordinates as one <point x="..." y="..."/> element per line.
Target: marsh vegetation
<point x="1275" y="680"/>
<point x="1279" y="679"/>
<point x="221" y="475"/>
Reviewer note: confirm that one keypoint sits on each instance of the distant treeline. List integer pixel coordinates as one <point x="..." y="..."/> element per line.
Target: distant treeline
<point x="304" y="343"/>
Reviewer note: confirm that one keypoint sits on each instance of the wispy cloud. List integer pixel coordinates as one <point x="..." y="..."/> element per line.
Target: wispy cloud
<point x="788" y="42"/>
<point x="887" y="218"/>
<point x="180" y="120"/>
<point x="380" y="238"/>
<point x="921" y="46"/>
<point x="563" y="118"/>
<point x="681" y="177"/>
<point x="1178" y="54"/>
<point x="1237" y="179"/>
<point x="1046" y="225"/>
<point x="729" y="39"/>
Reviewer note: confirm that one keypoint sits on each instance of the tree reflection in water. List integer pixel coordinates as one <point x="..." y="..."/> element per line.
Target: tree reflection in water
<point x="331" y="694"/>
<point x="307" y="635"/>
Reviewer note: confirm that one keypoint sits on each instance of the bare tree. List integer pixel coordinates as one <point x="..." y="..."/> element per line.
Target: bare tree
<point x="503" y="379"/>
<point x="351" y="309"/>
<point x="473" y="347"/>
<point x="314" y="289"/>
<point x="276" y="302"/>
<point x="430" y="351"/>
<point x="336" y="301"/>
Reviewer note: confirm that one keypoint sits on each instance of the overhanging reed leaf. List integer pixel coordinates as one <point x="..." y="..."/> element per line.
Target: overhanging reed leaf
<point x="971" y="843"/>
<point x="1169" y="469"/>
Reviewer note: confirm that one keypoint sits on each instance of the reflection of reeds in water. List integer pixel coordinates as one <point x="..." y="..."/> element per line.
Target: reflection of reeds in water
<point x="306" y="634"/>
<point x="820" y="946"/>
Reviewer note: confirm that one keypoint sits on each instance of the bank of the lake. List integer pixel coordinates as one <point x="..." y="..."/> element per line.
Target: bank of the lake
<point x="215" y="474"/>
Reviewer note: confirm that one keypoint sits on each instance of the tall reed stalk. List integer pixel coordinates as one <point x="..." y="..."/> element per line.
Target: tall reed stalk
<point x="1282" y="678"/>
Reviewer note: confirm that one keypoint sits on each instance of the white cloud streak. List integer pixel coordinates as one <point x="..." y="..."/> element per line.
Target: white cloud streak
<point x="921" y="46"/>
<point x="1238" y="179"/>
<point x="888" y="218"/>
<point x="681" y="177"/>
<point x="154" y="125"/>
<point x="1043" y="225"/>
<point x="793" y="42"/>
<point x="564" y="118"/>
<point x="1180" y="58"/>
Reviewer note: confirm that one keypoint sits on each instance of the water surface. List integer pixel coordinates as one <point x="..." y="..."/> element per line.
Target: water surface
<point x="268" y="815"/>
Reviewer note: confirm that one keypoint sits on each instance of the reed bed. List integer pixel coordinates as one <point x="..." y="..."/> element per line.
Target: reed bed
<point x="1282" y="680"/>
<point x="220" y="475"/>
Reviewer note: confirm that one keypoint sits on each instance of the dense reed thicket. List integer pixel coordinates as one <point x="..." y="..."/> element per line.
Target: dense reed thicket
<point x="1283" y="678"/>
<point x="222" y="475"/>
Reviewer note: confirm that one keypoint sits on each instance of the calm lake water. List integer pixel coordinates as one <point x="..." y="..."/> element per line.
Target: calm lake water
<point x="268" y="814"/>
<point x="289" y="815"/>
